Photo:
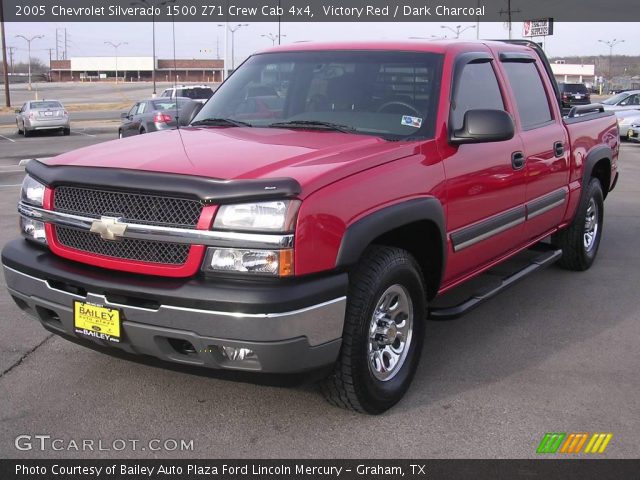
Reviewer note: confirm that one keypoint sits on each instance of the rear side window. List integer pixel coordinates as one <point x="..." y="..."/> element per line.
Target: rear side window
<point x="478" y="89"/>
<point x="531" y="98"/>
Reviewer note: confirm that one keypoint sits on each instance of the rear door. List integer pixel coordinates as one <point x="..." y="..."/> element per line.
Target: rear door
<point x="485" y="193"/>
<point x="545" y="142"/>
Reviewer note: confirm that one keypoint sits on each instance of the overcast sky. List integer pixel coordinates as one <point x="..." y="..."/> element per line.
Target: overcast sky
<point x="198" y="40"/>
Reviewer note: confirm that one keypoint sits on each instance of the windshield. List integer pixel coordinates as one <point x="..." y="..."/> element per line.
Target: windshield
<point x="573" y="88"/>
<point x="615" y="99"/>
<point x="46" y="104"/>
<point x="388" y="94"/>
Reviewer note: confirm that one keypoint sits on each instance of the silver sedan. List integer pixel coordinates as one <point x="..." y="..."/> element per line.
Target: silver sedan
<point x="42" y="115"/>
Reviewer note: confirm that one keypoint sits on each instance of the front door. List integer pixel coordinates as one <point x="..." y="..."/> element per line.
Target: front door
<point x="485" y="190"/>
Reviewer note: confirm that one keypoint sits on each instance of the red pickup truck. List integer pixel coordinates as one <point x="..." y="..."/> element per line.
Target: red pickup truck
<point x="313" y="210"/>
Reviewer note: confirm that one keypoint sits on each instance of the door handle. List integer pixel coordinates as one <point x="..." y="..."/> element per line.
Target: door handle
<point x="517" y="160"/>
<point x="558" y="149"/>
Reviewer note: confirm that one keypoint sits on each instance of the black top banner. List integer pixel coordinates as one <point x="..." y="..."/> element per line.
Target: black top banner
<point x="320" y="10"/>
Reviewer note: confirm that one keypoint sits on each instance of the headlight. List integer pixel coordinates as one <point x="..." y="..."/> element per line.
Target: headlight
<point x="277" y="216"/>
<point x="277" y="263"/>
<point x="32" y="192"/>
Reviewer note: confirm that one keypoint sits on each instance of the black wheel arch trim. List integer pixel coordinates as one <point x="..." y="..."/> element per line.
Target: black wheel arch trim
<point x="208" y="190"/>
<point x="361" y="233"/>
<point x="601" y="152"/>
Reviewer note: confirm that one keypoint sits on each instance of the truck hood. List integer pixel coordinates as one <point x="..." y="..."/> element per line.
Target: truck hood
<point x="313" y="158"/>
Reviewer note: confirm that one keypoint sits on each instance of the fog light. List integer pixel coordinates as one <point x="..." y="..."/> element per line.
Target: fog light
<point x="236" y="354"/>
<point x="33" y="230"/>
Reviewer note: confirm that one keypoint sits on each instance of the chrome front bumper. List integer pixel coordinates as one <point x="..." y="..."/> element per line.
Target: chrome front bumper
<point x="284" y="342"/>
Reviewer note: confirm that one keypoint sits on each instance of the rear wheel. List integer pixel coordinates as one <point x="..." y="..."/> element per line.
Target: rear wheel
<point x="27" y="133"/>
<point x="580" y="241"/>
<point x="142" y="130"/>
<point x="66" y="131"/>
<point x="383" y="332"/>
<point x="19" y="129"/>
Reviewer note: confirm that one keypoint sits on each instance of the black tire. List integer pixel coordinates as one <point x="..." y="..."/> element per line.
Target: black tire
<point x="119" y="133"/>
<point x="142" y="131"/>
<point x="66" y="131"/>
<point x="20" y="132"/>
<point x="354" y="383"/>
<point x="26" y="132"/>
<point x="577" y="253"/>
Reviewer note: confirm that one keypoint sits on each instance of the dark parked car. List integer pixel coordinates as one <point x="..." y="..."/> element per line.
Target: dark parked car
<point x="574" y="94"/>
<point x="157" y="114"/>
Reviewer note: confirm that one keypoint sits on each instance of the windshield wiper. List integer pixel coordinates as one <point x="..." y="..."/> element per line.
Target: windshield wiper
<point x="221" y="122"/>
<point x="314" y="124"/>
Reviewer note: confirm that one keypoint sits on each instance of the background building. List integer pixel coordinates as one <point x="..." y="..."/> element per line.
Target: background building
<point x="574" y="73"/>
<point x="133" y="69"/>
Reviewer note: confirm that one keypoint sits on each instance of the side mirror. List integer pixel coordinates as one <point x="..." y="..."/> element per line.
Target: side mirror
<point x="17" y="110"/>
<point x="124" y="116"/>
<point x="480" y="126"/>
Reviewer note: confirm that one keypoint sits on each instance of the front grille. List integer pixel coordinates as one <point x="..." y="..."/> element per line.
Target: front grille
<point x="146" y="209"/>
<point x="126" y="248"/>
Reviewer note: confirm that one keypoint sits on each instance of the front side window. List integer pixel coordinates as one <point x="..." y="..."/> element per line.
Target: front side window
<point x="387" y="94"/>
<point x="531" y="98"/>
<point x="478" y="89"/>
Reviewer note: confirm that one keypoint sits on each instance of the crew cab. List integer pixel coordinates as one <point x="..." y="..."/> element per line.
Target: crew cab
<point x="317" y="238"/>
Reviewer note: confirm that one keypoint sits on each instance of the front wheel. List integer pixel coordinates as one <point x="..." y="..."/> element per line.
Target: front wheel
<point x="580" y="241"/>
<point x="383" y="332"/>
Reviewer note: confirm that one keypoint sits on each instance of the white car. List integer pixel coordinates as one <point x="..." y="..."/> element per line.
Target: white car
<point x="626" y="118"/>
<point x="623" y="101"/>
<point x="198" y="93"/>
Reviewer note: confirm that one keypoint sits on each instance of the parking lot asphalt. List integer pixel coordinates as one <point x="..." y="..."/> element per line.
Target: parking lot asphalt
<point x="556" y="353"/>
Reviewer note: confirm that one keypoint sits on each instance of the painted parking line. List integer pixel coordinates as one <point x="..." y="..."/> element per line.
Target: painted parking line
<point x="12" y="185"/>
<point x="83" y="133"/>
<point x="7" y="138"/>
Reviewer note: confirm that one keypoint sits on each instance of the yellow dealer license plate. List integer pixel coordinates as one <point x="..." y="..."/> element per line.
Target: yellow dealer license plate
<point x="97" y="322"/>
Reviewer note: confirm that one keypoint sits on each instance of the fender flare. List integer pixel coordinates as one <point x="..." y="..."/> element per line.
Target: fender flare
<point x="601" y="152"/>
<point x="364" y="231"/>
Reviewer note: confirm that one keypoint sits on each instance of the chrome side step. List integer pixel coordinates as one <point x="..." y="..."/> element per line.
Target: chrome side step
<point x="547" y="257"/>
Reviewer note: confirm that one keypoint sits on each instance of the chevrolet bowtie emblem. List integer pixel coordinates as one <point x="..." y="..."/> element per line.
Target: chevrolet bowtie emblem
<point x="109" y="228"/>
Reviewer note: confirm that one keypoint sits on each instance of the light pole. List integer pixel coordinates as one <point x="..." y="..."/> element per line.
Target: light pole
<point x="273" y="37"/>
<point x="459" y="29"/>
<point x="29" y="40"/>
<point x="233" y="32"/>
<point x="611" y="44"/>
<point x="7" y="93"/>
<point x="148" y="4"/>
<point x="115" y="46"/>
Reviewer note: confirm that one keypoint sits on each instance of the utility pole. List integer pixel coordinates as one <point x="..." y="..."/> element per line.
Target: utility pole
<point x="509" y="11"/>
<point x="11" y="50"/>
<point x="611" y="44"/>
<point x="115" y="46"/>
<point x="7" y="96"/>
<point x="29" y="40"/>
<point x="50" y="50"/>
